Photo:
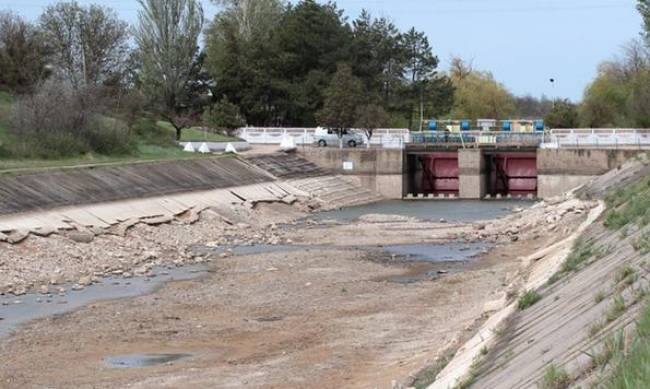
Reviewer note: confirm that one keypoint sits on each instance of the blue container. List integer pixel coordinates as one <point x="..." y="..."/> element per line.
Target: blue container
<point x="506" y="126"/>
<point x="465" y="125"/>
<point x="539" y="125"/>
<point x="433" y="125"/>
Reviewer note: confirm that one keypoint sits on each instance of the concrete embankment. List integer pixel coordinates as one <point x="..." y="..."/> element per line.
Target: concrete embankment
<point x="96" y="200"/>
<point x="590" y="286"/>
<point x="40" y="191"/>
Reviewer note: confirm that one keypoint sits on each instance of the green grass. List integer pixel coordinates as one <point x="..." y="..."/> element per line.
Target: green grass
<point x="617" y="309"/>
<point x="579" y="257"/>
<point x="528" y="299"/>
<point x="629" y="205"/>
<point x="642" y="244"/>
<point x="197" y="134"/>
<point x="427" y="376"/>
<point x="555" y="378"/>
<point x="145" y="153"/>
<point x="611" y="351"/>
<point x="626" y="275"/>
<point x="633" y="371"/>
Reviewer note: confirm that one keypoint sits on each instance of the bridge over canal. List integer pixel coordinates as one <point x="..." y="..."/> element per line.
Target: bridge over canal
<point x="478" y="165"/>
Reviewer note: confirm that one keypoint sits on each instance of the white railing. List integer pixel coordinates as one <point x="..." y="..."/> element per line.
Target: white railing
<point x="385" y="137"/>
<point x="598" y="138"/>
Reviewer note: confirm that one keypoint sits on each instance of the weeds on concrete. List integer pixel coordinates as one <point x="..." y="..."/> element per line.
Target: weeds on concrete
<point x="642" y="244"/>
<point x="555" y="378"/>
<point x="471" y="377"/>
<point x="626" y="276"/>
<point x="629" y="205"/>
<point x="528" y="299"/>
<point x="612" y="349"/>
<point x="428" y="376"/>
<point x="633" y="371"/>
<point x="600" y="296"/>
<point x="595" y="328"/>
<point x="616" y="310"/>
<point x="579" y="257"/>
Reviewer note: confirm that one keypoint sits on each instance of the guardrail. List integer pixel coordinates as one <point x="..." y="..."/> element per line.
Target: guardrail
<point x="385" y="137"/>
<point x="598" y="138"/>
<point x="398" y="138"/>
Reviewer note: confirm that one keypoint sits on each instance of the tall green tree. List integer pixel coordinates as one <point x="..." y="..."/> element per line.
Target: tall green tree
<point x="618" y="96"/>
<point x="564" y="114"/>
<point x="378" y="56"/>
<point x="478" y="95"/>
<point x="89" y="44"/>
<point x="420" y="68"/>
<point x="167" y="37"/>
<point x="369" y="117"/>
<point x="240" y="57"/>
<point x="24" y="54"/>
<point x="342" y="98"/>
<point x="643" y="6"/>
<point x="311" y="40"/>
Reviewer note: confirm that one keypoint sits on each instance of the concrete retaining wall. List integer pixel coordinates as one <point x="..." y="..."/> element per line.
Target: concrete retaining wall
<point x="41" y="191"/>
<point x="561" y="170"/>
<point x="380" y="170"/>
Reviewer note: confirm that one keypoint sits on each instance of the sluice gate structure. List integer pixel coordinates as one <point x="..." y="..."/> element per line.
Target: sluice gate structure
<point x="471" y="165"/>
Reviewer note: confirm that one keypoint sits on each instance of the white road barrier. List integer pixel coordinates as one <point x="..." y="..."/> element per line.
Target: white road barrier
<point x="386" y="137"/>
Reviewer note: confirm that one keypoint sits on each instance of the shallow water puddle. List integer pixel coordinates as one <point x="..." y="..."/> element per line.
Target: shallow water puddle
<point x="16" y="310"/>
<point x="142" y="360"/>
<point x="453" y="211"/>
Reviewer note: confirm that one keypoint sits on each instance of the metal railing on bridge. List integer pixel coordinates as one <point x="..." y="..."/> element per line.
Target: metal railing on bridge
<point x="383" y="137"/>
<point x="399" y="138"/>
<point x="598" y="138"/>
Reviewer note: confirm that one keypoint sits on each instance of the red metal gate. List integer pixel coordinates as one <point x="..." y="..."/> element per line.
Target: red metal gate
<point x="514" y="173"/>
<point x="440" y="173"/>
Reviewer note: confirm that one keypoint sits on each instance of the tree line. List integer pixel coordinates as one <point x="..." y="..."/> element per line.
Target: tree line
<point x="266" y="63"/>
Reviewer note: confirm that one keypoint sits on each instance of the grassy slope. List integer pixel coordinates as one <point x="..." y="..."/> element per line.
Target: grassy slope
<point x="145" y="152"/>
<point x="628" y="206"/>
<point x="195" y="134"/>
<point x="634" y="370"/>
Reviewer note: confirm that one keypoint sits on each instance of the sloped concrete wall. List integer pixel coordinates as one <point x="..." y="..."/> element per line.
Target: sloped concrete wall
<point x="41" y="191"/>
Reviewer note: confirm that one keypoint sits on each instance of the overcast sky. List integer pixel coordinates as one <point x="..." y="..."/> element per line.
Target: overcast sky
<point x="523" y="42"/>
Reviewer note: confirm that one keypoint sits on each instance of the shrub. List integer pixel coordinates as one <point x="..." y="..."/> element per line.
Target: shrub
<point x="528" y="299"/>
<point x="225" y="117"/>
<point x="59" y="121"/>
<point x="555" y="378"/>
<point x="149" y="132"/>
<point x="616" y="310"/>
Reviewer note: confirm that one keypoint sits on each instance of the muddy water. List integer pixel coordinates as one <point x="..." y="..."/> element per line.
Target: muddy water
<point x="453" y="211"/>
<point x="143" y="360"/>
<point x="16" y="310"/>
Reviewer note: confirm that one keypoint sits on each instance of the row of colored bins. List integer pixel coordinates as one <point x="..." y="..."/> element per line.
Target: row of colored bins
<point x="466" y="125"/>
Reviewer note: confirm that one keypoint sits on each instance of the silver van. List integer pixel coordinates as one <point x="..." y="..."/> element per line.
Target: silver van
<point x="324" y="137"/>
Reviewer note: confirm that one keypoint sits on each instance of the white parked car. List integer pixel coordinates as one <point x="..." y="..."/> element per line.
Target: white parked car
<point x="324" y="137"/>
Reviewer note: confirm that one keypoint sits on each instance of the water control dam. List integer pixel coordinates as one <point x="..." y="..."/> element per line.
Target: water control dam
<point x="469" y="173"/>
